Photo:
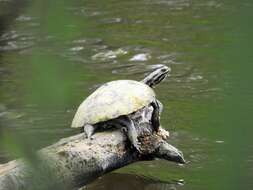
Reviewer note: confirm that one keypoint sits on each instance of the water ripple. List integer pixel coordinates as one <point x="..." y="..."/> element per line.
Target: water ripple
<point x="23" y="18"/>
<point x="111" y="20"/>
<point x="109" y="54"/>
<point x="140" y="57"/>
<point x="15" y="45"/>
<point x="12" y="41"/>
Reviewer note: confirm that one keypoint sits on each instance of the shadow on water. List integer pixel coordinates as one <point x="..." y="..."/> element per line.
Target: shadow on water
<point x="115" y="181"/>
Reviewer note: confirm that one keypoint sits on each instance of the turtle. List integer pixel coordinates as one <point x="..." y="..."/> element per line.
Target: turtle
<point x="114" y="101"/>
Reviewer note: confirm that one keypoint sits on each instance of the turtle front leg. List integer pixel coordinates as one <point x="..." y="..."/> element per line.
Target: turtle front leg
<point x="155" y="119"/>
<point x="132" y="134"/>
<point x="160" y="107"/>
<point x="88" y="130"/>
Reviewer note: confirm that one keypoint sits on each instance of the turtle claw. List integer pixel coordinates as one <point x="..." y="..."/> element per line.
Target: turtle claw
<point x="85" y="136"/>
<point x="137" y="146"/>
<point x="138" y="149"/>
<point x="90" y="137"/>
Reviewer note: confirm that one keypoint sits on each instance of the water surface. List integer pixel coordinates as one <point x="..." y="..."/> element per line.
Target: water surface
<point x="54" y="53"/>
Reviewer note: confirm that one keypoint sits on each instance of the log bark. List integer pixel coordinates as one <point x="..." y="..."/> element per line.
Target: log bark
<point x="76" y="161"/>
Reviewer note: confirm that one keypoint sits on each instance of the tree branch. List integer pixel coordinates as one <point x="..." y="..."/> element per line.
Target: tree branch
<point x="76" y="161"/>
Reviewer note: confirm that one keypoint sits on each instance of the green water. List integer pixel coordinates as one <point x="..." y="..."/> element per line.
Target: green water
<point x="54" y="53"/>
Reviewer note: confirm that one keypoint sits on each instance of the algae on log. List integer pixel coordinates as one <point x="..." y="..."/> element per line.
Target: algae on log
<point x="76" y="161"/>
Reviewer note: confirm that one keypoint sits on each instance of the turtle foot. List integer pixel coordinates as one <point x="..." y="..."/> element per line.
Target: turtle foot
<point x="134" y="143"/>
<point x="89" y="131"/>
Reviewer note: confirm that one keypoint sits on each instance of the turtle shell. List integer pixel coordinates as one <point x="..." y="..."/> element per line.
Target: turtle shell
<point x="112" y="100"/>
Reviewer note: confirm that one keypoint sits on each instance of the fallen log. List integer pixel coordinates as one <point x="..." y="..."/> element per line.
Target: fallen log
<point x="76" y="161"/>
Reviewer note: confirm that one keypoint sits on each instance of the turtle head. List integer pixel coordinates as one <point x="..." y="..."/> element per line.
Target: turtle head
<point x="156" y="76"/>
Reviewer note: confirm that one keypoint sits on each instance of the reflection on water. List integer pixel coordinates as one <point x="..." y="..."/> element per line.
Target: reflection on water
<point x="54" y="53"/>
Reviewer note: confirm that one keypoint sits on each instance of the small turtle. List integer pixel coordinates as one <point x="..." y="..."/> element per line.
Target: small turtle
<point x="115" y="100"/>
